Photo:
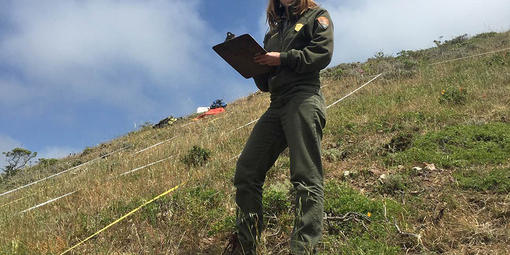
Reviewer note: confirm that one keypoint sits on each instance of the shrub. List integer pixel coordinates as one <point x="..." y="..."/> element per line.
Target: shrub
<point x="87" y="151"/>
<point x="392" y="184"/>
<point x="335" y="154"/>
<point x="460" y="40"/>
<point x="400" y="142"/>
<point x="499" y="60"/>
<point x="76" y="163"/>
<point x="46" y="162"/>
<point x="197" y="156"/>
<point x="485" y="35"/>
<point x="452" y="95"/>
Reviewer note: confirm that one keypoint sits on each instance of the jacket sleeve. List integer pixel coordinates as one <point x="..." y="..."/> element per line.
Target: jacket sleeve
<point x="262" y="80"/>
<point x="317" y="54"/>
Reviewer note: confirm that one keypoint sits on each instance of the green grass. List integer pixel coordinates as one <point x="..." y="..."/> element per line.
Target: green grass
<point x="376" y="236"/>
<point x="459" y="146"/>
<point x="496" y="180"/>
<point x="276" y="199"/>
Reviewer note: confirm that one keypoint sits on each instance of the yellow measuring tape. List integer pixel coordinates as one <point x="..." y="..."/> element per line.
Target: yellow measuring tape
<point x="123" y="217"/>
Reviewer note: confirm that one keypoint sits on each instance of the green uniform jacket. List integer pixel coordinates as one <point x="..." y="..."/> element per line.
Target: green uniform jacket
<point x="305" y="44"/>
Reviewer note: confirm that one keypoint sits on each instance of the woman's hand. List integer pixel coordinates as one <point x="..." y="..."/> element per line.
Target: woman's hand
<point x="269" y="59"/>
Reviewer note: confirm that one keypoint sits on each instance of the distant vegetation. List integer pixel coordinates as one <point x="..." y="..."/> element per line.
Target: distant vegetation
<point x="17" y="159"/>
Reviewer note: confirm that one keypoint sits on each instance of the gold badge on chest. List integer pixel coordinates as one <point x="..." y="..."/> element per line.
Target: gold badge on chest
<point x="298" y="27"/>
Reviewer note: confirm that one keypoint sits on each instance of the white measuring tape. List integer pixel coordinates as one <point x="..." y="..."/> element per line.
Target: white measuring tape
<point x="47" y="202"/>
<point x="155" y="145"/>
<point x="59" y="173"/>
<point x="472" y="56"/>
<point x="70" y="193"/>
<point x="354" y="91"/>
<point x="83" y="164"/>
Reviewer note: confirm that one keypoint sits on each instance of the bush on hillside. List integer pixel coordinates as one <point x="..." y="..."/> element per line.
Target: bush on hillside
<point x="453" y="95"/>
<point x="197" y="156"/>
<point x="87" y="151"/>
<point x="46" y="162"/>
<point x="400" y="142"/>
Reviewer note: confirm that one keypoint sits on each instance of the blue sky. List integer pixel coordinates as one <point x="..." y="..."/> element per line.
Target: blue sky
<point x="78" y="73"/>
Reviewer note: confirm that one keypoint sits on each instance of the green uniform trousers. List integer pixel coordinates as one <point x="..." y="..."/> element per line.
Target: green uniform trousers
<point x="296" y="122"/>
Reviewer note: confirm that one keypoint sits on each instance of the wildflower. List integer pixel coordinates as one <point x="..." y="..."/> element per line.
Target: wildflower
<point x="369" y="214"/>
<point x="443" y="91"/>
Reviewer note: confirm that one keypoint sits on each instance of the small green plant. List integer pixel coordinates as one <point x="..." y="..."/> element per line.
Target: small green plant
<point x="499" y="60"/>
<point x="228" y="225"/>
<point x="453" y="95"/>
<point x="197" y="156"/>
<point x="145" y="126"/>
<point x="87" y="151"/>
<point x="46" y="162"/>
<point x="392" y="185"/>
<point x="458" y="41"/>
<point x="339" y="73"/>
<point x="275" y="199"/>
<point x="400" y="142"/>
<point x="335" y="154"/>
<point x="76" y="163"/>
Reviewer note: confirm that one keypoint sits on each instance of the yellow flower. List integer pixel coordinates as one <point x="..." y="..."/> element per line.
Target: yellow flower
<point x="369" y="214"/>
<point x="443" y="91"/>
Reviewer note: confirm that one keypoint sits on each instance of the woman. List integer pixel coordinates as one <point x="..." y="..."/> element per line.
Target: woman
<point x="299" y="44"/>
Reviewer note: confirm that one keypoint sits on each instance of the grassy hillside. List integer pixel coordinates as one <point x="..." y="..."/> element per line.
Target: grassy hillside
<point x="417" y="162"/>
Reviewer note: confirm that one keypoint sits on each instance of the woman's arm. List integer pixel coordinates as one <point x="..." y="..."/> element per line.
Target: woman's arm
<point x="317" y="55"/>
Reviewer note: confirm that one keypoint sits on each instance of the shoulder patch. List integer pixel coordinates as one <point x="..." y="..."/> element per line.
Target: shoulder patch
<point x="323" y="21"/>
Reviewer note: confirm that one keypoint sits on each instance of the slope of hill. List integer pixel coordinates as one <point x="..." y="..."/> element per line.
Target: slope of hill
<point x="416" y="162"/>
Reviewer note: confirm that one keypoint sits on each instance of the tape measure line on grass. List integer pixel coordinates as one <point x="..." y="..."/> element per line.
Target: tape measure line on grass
<point x="117" y="176"/>
<point x="122" y="218"/>
<point x="472" y="56"/>
<point x="59" y="173"/>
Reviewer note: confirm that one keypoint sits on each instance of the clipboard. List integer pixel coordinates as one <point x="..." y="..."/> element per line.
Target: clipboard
<point x="239" y="53"/>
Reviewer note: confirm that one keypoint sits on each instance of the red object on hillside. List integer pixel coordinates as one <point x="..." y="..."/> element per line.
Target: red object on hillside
<point x="211" y="112"/>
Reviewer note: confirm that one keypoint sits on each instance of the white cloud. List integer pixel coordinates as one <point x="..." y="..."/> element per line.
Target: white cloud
<point x="6" y="144"/>
<point x="365" y="27"/>
<point x="117" y="52"/>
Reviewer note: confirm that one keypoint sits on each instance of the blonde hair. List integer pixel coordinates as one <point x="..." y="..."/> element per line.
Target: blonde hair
<point x="275" y="11"/>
